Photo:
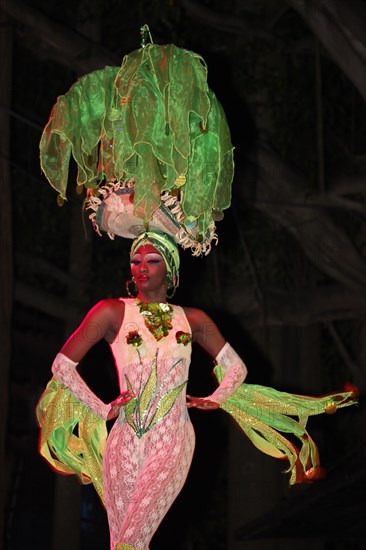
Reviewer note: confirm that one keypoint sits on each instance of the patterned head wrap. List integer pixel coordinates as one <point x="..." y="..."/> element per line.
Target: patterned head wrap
<point x="167" y="247"/>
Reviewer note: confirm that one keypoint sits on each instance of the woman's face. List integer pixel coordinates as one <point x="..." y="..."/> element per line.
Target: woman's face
<point x="148" y="268"/>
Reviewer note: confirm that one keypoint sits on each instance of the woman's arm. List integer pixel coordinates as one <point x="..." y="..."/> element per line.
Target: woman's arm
<point x="208" y="336"/>
<point x="102" y="321"/>
<point x="204" y="331"/>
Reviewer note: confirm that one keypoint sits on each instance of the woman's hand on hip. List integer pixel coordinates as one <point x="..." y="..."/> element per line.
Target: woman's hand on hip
<point x="121" y="400"/>
<point x="201" y="403"/>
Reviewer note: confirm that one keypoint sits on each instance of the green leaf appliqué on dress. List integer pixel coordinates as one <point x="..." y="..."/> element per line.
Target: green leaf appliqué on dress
<point x="149" y="405"/>
<point x="165" y="404"/>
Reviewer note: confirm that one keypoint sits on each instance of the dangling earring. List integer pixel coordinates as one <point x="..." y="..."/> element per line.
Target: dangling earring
<point x="172" y="292"/>
<point x="169" y="286"/>
<point x="131" y="288"/>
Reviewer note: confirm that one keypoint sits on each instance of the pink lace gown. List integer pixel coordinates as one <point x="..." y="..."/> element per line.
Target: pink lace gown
<point x="149" y="449"/>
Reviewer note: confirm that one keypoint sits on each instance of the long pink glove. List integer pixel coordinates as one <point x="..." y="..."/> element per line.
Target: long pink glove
<point x="235" y="373"/>
<point x="65" y="371"/>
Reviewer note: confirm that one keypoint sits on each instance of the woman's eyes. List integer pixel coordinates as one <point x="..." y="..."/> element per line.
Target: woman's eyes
<point x="150" y="261"/>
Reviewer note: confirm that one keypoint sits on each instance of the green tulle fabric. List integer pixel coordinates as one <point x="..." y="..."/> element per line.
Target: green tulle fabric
<point x="263" y="412"/>
<point x="72" y="438"/>
<point x="155" y="120"/>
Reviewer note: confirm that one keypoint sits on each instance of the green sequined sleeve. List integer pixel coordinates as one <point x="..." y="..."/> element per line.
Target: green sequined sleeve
<point x="264" y="414"/>
<point x="72" y="438"/>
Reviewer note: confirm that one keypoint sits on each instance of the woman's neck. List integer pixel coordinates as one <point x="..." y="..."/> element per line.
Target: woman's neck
<point x="152" y="297"/>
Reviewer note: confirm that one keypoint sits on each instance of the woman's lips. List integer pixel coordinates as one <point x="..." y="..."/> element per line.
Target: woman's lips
<point x="143" y="278"/>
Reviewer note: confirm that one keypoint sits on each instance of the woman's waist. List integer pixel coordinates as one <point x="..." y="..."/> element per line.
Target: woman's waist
<point x="152" y="382"/>
<point x="163" y="413"/>
<point x="138" y="363"/>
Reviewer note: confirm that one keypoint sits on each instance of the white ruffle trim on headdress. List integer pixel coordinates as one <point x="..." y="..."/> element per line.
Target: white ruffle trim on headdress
<point x="187" y="238"/>
<point x="112" y="213"/>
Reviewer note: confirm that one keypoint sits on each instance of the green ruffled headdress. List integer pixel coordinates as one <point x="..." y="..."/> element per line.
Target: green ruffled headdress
<point x="151" y="143"/>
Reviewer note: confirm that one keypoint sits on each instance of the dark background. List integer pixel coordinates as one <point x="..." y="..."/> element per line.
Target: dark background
<point x="286" y="284"/>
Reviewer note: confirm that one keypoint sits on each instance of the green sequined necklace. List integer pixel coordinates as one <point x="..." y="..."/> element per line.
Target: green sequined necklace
<point x="158" y="318"/>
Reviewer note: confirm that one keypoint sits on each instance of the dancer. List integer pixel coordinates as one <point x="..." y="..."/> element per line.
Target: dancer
<point x="149" y="449"/>
<point x="148" y="452"/>
<point x="157" y="135"/>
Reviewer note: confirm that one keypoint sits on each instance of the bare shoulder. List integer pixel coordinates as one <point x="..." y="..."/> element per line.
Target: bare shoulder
<point x="112" y="310"/>
<point x="102" y="321"/>
<point x="115" y="305"/>
<point x="196" y="317"/>
<point x="204" y="330"/>
<point x="108" y="307"/>
<point x="108" y="315"/>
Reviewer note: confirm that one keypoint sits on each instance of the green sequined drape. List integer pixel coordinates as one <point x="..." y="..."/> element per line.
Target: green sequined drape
<point x="263" y="412"/>
<point x="72" y="438"/>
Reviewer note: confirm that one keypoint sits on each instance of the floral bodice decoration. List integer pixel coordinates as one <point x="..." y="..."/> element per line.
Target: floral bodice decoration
<point x="183" y="337"/>
<point x="157" y="317"/>
<point x="134" y="339"/>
